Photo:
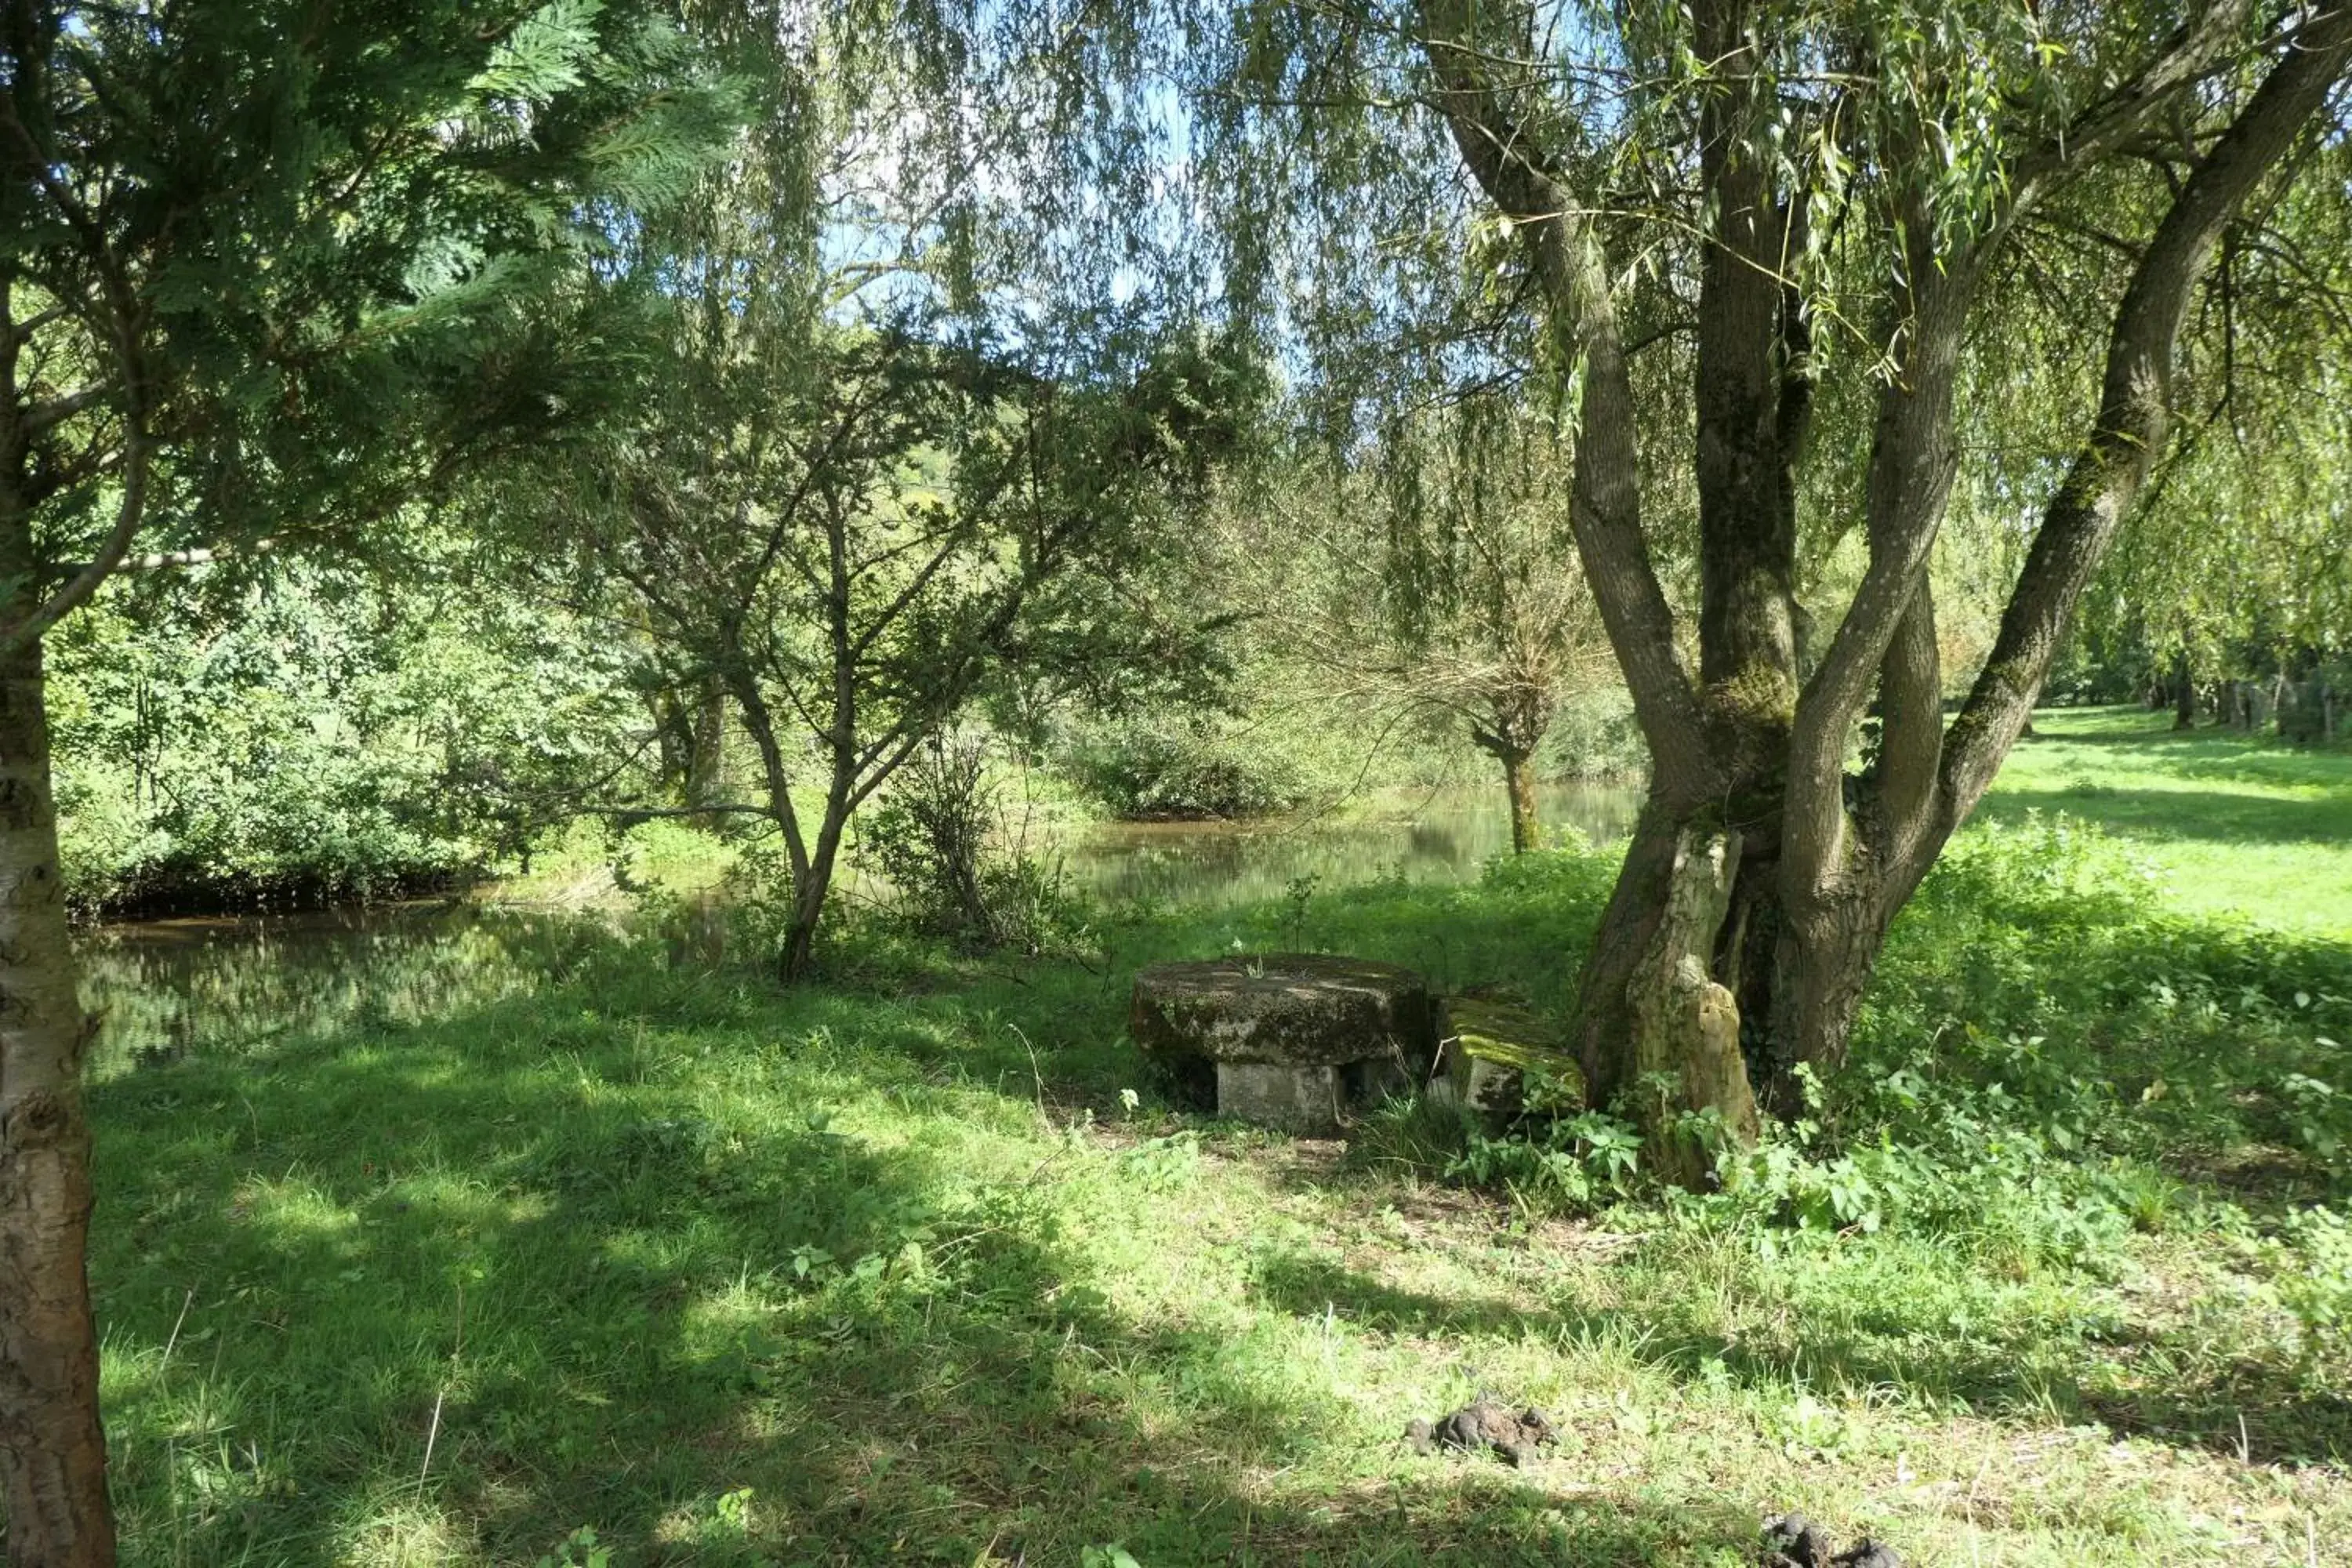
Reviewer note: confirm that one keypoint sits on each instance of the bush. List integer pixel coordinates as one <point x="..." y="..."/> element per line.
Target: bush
<point x="944" y="840"/>
<point x="307" y="734"/>
<point x="1183" y="768"/>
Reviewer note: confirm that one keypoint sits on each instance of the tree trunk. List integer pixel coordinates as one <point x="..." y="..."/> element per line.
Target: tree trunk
<point x="2184" y="691"/>
<point x="812" y="885"/>
<point x="1519" y="778"/>
<point x="1823" y="961"/>
<point x="799" y="934"/>
<point x="1657" y="1028"/>
<point x="52" y="1450"/>
<point x="1698" y="902"/>
<point x="706" y="762"/>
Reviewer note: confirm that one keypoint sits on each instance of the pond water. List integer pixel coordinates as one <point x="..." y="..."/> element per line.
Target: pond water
<point x="170" y="988"/>
<point x="1426" y="836"/>
<point x="222" y="985"/>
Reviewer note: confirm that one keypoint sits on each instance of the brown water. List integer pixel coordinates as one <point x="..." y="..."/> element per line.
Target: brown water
<point x="220" y="985"/>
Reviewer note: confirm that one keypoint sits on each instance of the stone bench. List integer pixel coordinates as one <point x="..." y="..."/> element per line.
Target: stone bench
<point x="1487" y="1047"/>
<point x="1294" y="1040"/>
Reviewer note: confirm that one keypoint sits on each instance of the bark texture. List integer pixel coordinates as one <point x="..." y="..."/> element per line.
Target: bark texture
<point x="706" y="761"/>
<point x="52" y="1450"/>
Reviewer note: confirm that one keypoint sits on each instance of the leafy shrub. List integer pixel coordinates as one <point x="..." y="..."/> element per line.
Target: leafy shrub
<point x="288" y="732"/>
<point x="1564" y="1162"/>
<point x="1185" y="767"/>
<point x="944" y="839"/>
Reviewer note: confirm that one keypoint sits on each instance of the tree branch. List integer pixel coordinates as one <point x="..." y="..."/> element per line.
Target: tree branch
<point x="130" y="513"/>
<point x="1605" y="495"/>
<point x="2112" y="466"/>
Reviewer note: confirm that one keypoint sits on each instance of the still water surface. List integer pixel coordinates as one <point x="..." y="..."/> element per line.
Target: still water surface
<point x="1426" y="836"/>
<point x="170" y="988"/>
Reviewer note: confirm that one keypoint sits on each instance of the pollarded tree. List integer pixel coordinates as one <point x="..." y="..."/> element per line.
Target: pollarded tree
<point x="258" y="262"/>
<point x="1432" y="580"/>
<point x="1805" y="192"/>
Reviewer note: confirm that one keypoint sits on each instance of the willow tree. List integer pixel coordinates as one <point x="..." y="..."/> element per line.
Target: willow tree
<point x="265" y="269"/>
<point x="1801" y="199"/>
<point x="1428" y="579"/>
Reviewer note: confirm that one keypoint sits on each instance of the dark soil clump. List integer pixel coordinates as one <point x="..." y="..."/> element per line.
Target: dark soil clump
<point x="1482" y="1426"/>
<point x="1792" y="1540"/>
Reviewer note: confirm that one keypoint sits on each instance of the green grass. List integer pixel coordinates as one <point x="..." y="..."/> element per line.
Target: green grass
<point x="2226" y="823"/>
<point x="888" y="1269"/>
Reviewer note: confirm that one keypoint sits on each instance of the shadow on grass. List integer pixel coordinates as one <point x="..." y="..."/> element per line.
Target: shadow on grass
<point x="446" y="1293"/>
<point x="734" y="1276"/>
<point x="2242" y="1406"/>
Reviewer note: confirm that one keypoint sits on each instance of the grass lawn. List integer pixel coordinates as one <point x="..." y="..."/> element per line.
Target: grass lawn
<point x="890" y="1269"/>
<point x="2227" y="824"/>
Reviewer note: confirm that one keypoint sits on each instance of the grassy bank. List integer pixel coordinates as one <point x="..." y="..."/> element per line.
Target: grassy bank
<point x="892" y="1269"/>
<point x="2225" y="823"/>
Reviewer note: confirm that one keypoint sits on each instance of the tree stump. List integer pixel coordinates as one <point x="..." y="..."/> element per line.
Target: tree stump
<point x="1296" y="1040"/>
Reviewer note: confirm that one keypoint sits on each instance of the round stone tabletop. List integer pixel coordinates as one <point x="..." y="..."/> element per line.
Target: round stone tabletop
<point x="1296" y="1009"/>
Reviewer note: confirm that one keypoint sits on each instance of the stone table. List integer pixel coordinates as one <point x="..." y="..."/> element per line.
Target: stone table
<point x="1296" y="1039"/>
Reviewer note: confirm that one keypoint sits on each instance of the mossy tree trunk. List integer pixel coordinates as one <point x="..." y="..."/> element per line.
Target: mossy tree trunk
<point x="1527" y="821"/>
<point x="1758" y="890"/>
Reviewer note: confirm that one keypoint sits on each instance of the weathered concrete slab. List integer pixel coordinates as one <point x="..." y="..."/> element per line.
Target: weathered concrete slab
<point x="1487" y="1050"/>
<point x="1308" y="1010"/>
<point x="1308" y="1099"/>
<point x="1297" y="1039"/>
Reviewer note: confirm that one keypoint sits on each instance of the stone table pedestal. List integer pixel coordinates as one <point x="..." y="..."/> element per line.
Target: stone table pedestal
<point x="1296" y="1040"/>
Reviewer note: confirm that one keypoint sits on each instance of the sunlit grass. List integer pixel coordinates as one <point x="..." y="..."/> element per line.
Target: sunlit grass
<point x="2226" y="823"/>
<point x="887" y="1270"/>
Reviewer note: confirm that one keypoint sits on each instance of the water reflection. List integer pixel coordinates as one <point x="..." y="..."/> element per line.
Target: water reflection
<point x="1428" y="836"/>
<point x="221" y="985"/>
